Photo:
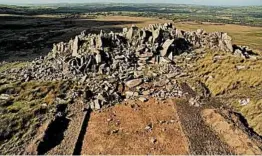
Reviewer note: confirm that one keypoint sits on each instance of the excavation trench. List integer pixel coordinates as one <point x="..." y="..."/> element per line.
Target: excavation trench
<point x="64" y="135"/>
<point x="135" y="127"/>
<point x="54" y="135"/>
<point x="202" y="140"/>
<point x="80" y="139"/>
<point x="177" y="128"/>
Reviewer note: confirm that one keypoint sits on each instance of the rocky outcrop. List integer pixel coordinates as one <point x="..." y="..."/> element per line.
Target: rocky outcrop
<point x="108" y="53"/>
<point x="104" y="62"/>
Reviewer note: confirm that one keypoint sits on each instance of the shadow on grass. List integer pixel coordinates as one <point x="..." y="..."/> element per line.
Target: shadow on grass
<point x="26" y="38"/>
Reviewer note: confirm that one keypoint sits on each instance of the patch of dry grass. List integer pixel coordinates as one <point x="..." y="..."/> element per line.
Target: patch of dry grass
<point x="226" y="81"/>
<point x="251" y="111"/>
<point x="222" y="76"/>
<point x="12" y="65"/>
<point x="242" y="35"/>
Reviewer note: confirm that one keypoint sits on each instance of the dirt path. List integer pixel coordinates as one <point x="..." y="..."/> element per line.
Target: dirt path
<point x="135" y="128"/>
<point x="202" y="139"/>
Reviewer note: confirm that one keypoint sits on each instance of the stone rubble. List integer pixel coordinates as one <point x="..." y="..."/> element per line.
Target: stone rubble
<point x="244" y="102"/>
<point x="106" y="63"/>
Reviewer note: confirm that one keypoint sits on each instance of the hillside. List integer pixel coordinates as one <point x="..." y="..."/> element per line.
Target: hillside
<point x="130" y="79"/>
<point x="142" y="86"/>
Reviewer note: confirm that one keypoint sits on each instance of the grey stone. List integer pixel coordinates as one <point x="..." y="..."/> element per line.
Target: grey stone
<point x="130" y="94"/>
<point x="228" y="42"/>
<point x="143" y="99"/>
<point x="244" y="102"/>
<point x="194" y="101"/>
<point x="239" y="53"/>
<point x="149" y="127"/>
<point x="83" y="79"/>
<point x="166" y="46"/>
<point x="92" y="59"/>
<point x="99" y="42"/>
<point x="98" y="58"/>
<point x="75" y="47"/>
<point x="97" y="104"/>
<point x="133" y="83"/>
<point x="4" y="97"/>
<point x="156" y="34"/>
<point x="147" y="92"/>
<point x="153" y="140"/>
<point x="199" y="31"/>
<point x="172" y="75"/>
<point x="101" y="97"/>
<point x="240" y="67"/>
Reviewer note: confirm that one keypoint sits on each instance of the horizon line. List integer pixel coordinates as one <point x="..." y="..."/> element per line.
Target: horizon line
<point x="50" y="3"/>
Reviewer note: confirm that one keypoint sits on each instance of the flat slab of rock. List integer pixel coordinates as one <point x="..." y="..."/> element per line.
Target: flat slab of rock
<point x="133" y="83"/>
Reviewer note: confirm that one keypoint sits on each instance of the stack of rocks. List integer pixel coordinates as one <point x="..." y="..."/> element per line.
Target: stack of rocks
<point x="106" y="61"/>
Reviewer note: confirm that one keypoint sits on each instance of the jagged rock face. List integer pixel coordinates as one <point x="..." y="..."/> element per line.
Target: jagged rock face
<point x="126" y="51"/>
<point x="122" y="58"/>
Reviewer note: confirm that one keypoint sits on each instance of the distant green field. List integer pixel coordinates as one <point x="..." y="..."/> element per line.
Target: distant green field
<point x="248" y="15"/>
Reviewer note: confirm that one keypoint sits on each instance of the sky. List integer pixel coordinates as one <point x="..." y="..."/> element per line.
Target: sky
<point x="199" y="2"/>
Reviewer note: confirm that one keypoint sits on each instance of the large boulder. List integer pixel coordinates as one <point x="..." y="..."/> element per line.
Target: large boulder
<point x="131" y="32"/>
<point x="166" y="46"/>
<point x="99" y="42"/>
<point x="157" y="35"/>
<point x="75" y="47"/>
<point x="228" y="42"/>
<point x="98" y="57"/>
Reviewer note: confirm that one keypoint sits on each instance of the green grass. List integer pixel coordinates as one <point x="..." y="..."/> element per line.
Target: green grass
<point x="24" y="113"/>
<point x="13" y="65"/>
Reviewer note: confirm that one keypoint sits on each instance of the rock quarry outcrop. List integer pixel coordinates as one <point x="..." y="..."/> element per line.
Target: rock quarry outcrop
<point x="107" y="63"/>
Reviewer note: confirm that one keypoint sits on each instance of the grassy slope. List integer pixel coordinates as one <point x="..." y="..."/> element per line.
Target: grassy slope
<point x="13" y="65"/>
<point x="24" y="112"/>
<point x="242" y="35"/>
<point x="230" y="84"/>
<point x="225" y="80"/>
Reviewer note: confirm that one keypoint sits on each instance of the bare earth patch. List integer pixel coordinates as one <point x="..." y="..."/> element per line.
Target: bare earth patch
<point x="135" y="128"/>
<point x="238" y="141"/>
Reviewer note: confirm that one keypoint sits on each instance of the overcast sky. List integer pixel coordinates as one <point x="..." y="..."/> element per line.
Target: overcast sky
<point x="201" y="2"/>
